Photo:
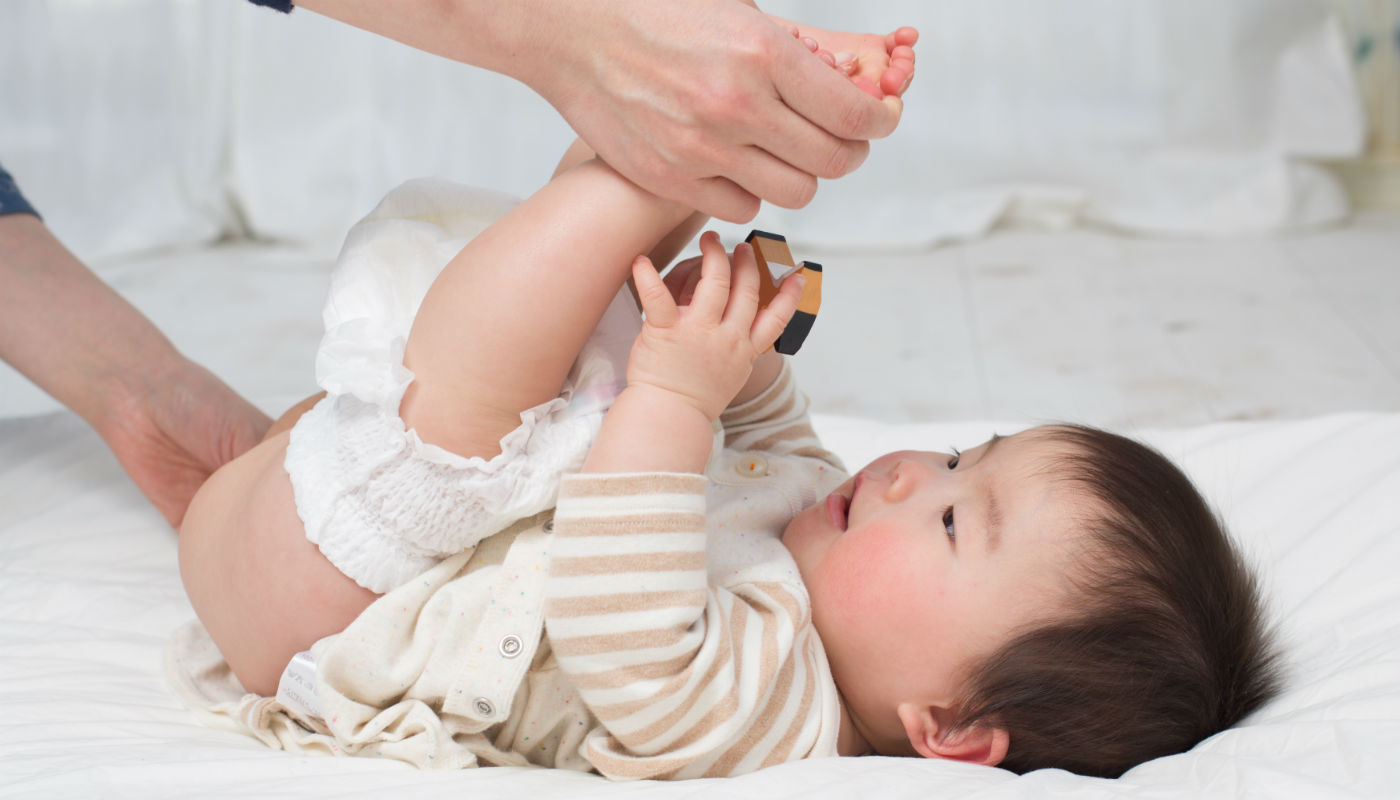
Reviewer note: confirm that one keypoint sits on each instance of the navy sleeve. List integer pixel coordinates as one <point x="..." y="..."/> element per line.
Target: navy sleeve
<point x="11" y="201"/>
<point x="285" y="6"/>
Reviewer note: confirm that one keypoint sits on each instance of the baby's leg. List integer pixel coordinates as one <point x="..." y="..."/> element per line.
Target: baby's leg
<point x="501" y="326"/>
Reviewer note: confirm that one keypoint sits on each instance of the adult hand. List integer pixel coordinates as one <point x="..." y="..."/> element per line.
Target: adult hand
<point x="169" y="422"/>
<point x="170" y="432"/>
<point x="705" y="102"/>
<point x="713" y="104"/>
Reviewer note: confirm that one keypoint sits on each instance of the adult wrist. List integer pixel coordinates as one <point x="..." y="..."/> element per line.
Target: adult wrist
<point x="121" y="392"/>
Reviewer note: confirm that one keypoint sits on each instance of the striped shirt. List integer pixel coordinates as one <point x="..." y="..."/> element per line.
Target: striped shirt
<point x="678" y="614"/>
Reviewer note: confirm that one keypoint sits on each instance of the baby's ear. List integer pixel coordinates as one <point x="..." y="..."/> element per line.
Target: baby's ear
<point x="927" y="729"/>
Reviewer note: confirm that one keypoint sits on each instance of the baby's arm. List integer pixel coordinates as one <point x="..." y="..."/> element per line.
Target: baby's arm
<point x="664" y="658"/>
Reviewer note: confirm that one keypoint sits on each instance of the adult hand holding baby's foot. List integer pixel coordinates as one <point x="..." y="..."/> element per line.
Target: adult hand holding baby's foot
<point x="710" y="102"/>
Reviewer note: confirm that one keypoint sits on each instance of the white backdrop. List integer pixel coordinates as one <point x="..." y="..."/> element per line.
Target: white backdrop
<point x="146" y="123"/>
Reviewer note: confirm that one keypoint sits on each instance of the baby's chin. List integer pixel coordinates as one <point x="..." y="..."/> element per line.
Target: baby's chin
<point x="803" y="534"/>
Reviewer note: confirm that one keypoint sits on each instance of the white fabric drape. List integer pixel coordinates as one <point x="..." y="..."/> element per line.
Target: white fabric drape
<point x="143" y="123"/>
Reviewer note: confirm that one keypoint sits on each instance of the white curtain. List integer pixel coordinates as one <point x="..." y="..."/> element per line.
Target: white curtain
<point x="114" y="118"/>
<point x="146" y="123"/>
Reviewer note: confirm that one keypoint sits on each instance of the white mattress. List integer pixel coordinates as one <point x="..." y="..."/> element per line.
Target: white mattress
<point x="89" y="591"/>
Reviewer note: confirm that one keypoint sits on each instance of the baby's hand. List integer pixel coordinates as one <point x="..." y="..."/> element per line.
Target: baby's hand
<point x="702" y="352"/>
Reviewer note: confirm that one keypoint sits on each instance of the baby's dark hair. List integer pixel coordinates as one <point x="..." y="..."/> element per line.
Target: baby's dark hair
<point x="1166" y="644"/>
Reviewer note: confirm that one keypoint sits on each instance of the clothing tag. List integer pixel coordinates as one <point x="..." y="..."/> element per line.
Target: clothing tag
<point x="297" y="688"/>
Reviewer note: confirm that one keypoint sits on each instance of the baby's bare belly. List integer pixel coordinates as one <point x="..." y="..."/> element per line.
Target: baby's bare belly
<point x="261" y="589"/>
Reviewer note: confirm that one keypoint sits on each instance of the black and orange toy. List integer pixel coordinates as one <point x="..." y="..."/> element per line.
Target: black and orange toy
<point x="771" y="248"/>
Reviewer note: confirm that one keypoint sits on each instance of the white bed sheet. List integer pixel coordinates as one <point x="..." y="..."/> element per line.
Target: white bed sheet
<point x="89" y="591"/>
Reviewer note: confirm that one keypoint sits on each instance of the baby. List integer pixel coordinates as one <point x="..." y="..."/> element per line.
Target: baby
<point x="691" y="605"/>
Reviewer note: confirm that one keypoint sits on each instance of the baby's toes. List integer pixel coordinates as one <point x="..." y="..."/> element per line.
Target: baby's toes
<point x="900" y="72"/>
<point x="895" y="81"/>
<point x="905" y="36"/>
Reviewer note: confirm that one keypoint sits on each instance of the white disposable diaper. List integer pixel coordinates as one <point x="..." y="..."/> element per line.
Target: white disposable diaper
<point x="382" y="504"/>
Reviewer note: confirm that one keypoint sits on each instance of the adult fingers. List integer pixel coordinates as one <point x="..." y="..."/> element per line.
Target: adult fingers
<point x="717" y="197"/>
<point x="743" y="294"/>
<point x="771" y="177"/>
<point x="712" y="295"/>
<point x="796" y="141"/>
<point x="828" y="97"/>
<point x="769" y="323"/>
<point x="652" y="293"/>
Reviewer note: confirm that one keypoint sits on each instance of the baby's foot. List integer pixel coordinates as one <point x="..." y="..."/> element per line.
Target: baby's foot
<point x="879" y="67"/>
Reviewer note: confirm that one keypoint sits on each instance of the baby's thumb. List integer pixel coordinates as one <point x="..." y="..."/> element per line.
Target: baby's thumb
<point x="770" y="322"/>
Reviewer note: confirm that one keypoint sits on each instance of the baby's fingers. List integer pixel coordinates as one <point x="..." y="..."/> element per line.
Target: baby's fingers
<point x="712" y="295"/>
<point x="743" y="293"/>
<point x="770" y="322"/>
<point x="655" y="298"/>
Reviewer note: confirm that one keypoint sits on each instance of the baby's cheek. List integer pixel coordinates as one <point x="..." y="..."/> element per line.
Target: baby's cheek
<point x="875" y="573"/>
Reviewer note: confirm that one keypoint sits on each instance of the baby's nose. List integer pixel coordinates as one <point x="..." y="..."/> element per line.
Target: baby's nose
<point x="906" y="477"/>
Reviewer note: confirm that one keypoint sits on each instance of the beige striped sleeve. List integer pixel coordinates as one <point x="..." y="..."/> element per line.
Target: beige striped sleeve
<point x="688" y="678"/>
<point x="776" y="421"/>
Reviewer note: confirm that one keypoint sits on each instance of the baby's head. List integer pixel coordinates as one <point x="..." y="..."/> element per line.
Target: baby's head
<point x="1062" y="597"/>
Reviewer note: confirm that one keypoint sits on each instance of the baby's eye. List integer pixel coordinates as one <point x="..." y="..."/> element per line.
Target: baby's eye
<point x="948" y="520"/>
<point x="953" y="462"/>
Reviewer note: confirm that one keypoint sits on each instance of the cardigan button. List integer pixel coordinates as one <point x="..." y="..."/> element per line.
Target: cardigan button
<point x="483" y="707"/>
<point x="511" y="646"/>
<point x="549" y="525"/>
<point x="751" y="465"/>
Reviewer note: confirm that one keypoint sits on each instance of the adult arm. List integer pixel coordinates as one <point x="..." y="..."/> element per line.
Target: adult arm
<point x="169" y="421"/>
<point x="707" y="102"/>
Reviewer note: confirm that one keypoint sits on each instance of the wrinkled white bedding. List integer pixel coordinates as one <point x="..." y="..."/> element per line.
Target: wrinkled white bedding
<point x="89" y="591"/>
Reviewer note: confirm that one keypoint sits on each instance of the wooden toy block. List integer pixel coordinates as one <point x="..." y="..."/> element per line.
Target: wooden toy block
<point x="775" y="262"/>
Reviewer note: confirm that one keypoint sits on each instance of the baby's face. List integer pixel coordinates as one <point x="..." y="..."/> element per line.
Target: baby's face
<point x="924" y="563"/>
